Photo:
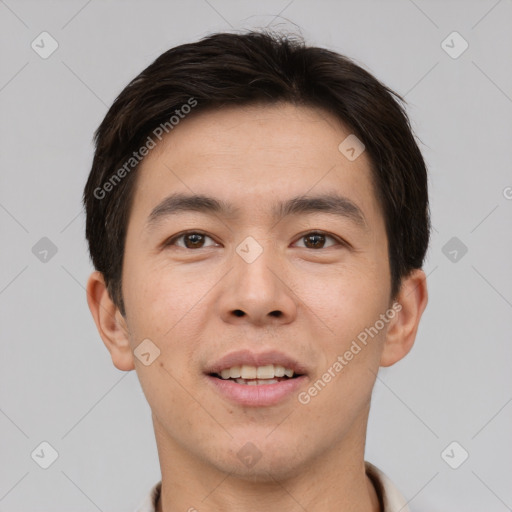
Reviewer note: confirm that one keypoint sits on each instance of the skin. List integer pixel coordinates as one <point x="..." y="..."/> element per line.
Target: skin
<point x="184" y="301"/>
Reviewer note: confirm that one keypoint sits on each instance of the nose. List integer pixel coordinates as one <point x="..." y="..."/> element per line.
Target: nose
<point x="258" y="291"/>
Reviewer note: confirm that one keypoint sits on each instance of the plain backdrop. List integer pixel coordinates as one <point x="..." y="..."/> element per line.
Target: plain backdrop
<point x="57" y="382"/>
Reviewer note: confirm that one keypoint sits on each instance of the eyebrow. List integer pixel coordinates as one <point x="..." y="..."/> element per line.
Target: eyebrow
<point x="326" y="203"/>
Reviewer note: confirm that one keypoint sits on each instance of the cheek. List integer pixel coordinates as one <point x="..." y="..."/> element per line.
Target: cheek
<point x="349" y="304"/>
<point x="166" y="306"/>
<point x="341" y="390"/>
<point x="347" y="299"/>
<point x="157" y="297"/>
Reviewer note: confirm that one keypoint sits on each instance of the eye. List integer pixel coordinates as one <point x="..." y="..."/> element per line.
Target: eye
<point x="317" y="240"/>
<point x="191" y="240"/>
<point x="196" y="240"/>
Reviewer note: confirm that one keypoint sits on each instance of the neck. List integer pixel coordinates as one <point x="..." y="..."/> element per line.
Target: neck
<point x="335" y="480"/>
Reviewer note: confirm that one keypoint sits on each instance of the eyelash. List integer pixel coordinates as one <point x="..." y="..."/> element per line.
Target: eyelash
<point x="339" y="241"/>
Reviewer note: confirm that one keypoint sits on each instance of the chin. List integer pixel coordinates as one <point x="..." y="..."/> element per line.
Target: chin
<point x="261" y="458"/>
<point x="267" y="469"/>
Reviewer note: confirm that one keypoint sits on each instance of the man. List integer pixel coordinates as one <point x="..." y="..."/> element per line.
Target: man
<point x="257" y="215"/>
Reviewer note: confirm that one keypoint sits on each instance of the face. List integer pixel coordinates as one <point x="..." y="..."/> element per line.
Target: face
<point x="267" y="272"/>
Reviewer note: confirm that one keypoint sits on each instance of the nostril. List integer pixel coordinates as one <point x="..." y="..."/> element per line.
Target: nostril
<point x="239" y="312"/>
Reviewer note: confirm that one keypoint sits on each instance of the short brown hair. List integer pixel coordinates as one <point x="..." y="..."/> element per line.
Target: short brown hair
<point x="257" y="67"/>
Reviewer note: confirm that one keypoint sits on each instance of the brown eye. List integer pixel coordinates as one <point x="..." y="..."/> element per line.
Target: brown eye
<point x="315" y="240"/>
<point x="191" y="240"/>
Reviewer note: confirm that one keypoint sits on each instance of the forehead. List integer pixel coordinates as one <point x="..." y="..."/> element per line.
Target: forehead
<point x="253" y="155"/>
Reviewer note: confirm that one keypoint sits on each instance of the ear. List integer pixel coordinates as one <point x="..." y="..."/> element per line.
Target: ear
<point x="409" y="304"/>
<point x="110" y="323"/>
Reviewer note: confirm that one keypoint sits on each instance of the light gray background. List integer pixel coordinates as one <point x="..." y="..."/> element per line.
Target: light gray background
<point x="57" y="380"/>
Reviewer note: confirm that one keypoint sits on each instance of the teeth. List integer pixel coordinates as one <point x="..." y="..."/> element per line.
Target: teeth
<point x="234" y="372"/>
<point x="278" y="371"/>
<point x="266" y="372"/>
<point x="268" y="381"/>
<point x="248" y="372"/>
<point x="231" y="373"/>
<point x="256" y="382"/>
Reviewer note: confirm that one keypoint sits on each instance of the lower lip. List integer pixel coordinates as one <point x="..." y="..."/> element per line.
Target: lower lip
<point x="261" y="395"/>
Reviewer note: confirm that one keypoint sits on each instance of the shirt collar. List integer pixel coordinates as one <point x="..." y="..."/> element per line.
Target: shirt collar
<point x="389" y="496"/>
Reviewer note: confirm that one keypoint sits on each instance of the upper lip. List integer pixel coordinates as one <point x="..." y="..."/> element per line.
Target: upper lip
<point x="251" y="358"/>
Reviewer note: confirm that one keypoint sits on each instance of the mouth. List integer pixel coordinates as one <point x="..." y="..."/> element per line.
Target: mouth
<point x="256" y="375"/>
<point x="256" y="380"/>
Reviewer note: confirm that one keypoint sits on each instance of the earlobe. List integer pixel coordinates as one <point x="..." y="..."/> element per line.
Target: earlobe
<point x="412" y="298"/>
<point x="110" y="323"/>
